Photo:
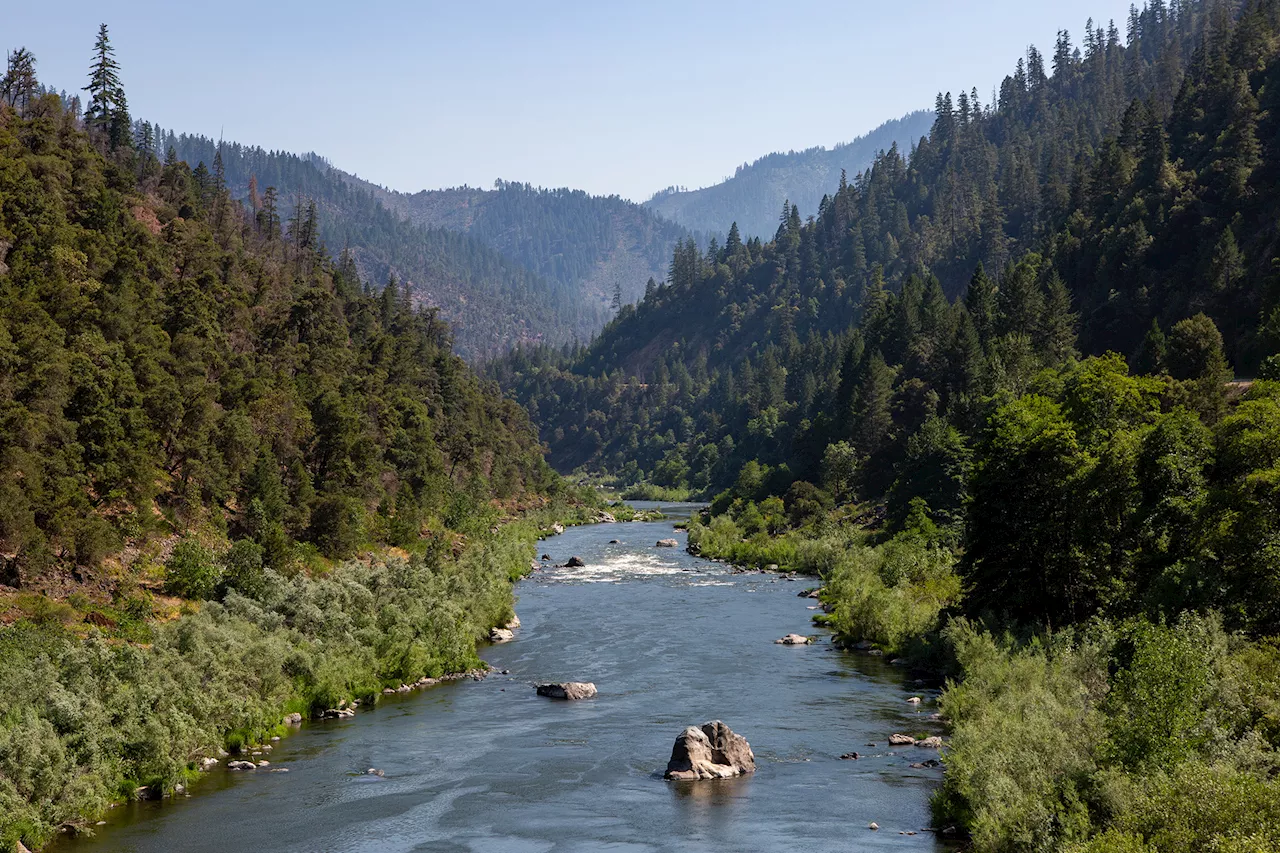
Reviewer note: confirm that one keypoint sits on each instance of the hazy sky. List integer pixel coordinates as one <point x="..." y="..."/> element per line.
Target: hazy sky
<point x="623" y="98"/>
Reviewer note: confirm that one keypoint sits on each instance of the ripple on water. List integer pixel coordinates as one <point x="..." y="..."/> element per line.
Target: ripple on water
<point x="615" y="569"/>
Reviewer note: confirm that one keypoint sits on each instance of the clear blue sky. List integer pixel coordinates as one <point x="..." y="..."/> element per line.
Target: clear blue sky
<point x="604" y="96"/>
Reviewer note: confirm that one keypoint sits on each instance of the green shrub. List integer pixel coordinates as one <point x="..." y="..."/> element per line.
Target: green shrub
<point x="242" y="569"/>
<point x="191" y="571"/>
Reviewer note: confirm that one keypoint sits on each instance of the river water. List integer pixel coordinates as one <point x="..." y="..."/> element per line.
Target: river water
<point x="670" y="640"/>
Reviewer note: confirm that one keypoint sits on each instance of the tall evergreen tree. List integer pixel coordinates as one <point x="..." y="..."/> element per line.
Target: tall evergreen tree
<point x="105" y="91"/>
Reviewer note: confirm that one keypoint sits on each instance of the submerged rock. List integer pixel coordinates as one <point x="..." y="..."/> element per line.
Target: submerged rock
<point x="568" y="690"/>
<point x="712" y="752"/>
<point x="668" y="543"/>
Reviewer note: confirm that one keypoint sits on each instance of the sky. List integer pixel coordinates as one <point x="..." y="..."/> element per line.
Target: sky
<point x="610" y="97"/>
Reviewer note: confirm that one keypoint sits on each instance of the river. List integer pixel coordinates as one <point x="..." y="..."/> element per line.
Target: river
<point x="488" y="766"/>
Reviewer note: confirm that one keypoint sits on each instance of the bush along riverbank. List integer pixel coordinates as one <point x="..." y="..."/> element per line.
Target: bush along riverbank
<point x="89" y="720"/>
<point x="1096" y="592"/>
<point x="106" y="703"/>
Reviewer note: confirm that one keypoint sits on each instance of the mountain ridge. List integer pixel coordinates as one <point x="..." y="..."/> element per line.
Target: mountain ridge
<point x="755" y="194"/>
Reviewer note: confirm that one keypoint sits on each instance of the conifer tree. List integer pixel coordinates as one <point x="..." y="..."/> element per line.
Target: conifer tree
<point x="18" y="87"/>
<point x="105" y="91"/>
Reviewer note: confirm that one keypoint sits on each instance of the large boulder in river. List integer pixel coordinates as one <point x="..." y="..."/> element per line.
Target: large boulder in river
<point x="793" y="640"/>
<point x="574" y="563"/>
<point x="668" y="543"/>
<point x="712" y="752"/>
<point x="568" y="690"/>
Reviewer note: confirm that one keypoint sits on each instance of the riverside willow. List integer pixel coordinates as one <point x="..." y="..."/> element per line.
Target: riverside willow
<point x="88" y="719"/>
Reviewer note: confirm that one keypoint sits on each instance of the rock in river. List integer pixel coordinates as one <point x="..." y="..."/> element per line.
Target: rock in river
<point x="901" y="740"/>
<point x="568" y="690"/>
<point x="793" y="640"/>
<point x="711" y="752"/>
<point x="501" y="635"/>
<point x="575" y="563"/>
<point x="668" y="543"/>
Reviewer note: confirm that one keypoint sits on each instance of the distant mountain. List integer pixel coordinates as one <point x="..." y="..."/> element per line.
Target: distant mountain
<point x="492" y="301"/>
<point x="593" y="244"/>
<point x="516" y="264"/>
<point x="753" y="197"/>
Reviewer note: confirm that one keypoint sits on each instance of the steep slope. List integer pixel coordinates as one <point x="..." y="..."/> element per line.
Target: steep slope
<point x="1147" y="196"/>
<point x="754" y="195"/>
<point x="599" y="246"/>
<point x="202" y="421"/>
<point x="491" y="300"/>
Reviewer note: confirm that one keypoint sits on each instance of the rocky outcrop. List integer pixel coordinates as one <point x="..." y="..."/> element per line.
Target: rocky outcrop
<point x="668" y="543"/>
<point x="793" y="640"/>
<point x="512" y="623"/>
<point x="501" y="635"/>
<point x="568" y="690"/>
<point x="712" y="752"/>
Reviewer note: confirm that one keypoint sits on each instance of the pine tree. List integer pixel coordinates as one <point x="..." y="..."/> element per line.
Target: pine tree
<point x="874" y="415"/>
<point x="980" y="300"/>
<point x="1151" y="358"/>
<point x="269" y="215"/>
<point x="105" y="91"/>
<point x="1057" y="331"/>
<point x="18" y="87"/>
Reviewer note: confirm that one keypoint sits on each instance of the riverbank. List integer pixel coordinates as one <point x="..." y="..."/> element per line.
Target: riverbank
<point x="1119" y="735"/>
<point x="492" y="764"/>
<point x="106" y="703"/>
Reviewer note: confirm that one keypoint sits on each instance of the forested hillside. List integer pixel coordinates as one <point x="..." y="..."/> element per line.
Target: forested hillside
<point x="757" y="190"/>
<point x="603" y="249"/>
<point x="491" y="300"/>
<point x="987" y="394"/>
<point x="1146" y="199"/>
<point x="203" y="418"/>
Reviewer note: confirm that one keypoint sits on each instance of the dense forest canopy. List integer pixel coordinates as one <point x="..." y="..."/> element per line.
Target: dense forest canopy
<point x="1115" y="189"/>
<point x="172" y="357"/>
